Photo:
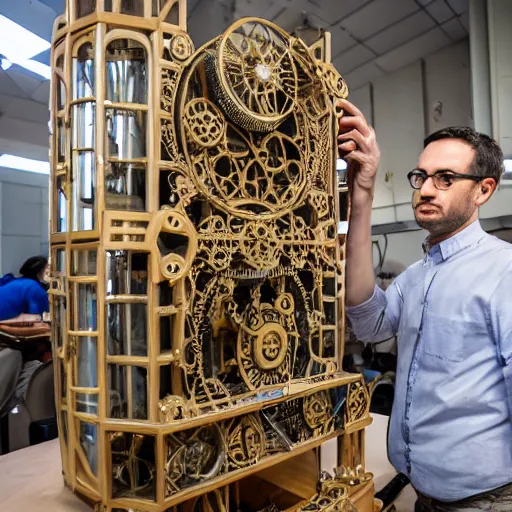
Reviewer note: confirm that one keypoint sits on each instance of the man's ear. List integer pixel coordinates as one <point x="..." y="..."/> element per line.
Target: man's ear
<point x="486" y="189"/>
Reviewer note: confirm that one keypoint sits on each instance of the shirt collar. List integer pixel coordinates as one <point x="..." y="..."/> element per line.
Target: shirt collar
<point x="470" y="235"/>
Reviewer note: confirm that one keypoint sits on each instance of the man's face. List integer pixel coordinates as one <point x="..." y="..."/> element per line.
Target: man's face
<point x="441" y="212"/>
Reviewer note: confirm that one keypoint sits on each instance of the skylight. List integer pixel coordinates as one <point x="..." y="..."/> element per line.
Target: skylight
<point x="24" y="164"/>
<point x="18" y="45"/>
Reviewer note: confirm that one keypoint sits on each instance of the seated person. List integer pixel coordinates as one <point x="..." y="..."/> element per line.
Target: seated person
<point x="25" y="294"/>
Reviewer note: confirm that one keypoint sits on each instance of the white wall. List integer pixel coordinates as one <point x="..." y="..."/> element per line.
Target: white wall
<point x="500" y="48"/>
<point x="404" y="248"/>
<point x="404" y="107"/>
<point x="23" y="218"/>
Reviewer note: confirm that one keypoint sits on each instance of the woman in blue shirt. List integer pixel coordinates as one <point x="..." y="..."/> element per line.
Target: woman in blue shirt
<point x="25" y="294"/>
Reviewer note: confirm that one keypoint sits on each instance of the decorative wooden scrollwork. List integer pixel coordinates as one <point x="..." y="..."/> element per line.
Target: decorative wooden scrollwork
<point x="332" y="496"/>
<point x="358" y="403"/>
<point x="193" y="457"/>
<point x="255" y="76"/>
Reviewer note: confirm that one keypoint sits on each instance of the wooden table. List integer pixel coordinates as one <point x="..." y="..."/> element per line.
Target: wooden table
<point x="31" y="479"/>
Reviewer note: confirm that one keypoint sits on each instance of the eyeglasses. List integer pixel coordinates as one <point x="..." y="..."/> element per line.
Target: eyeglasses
<point x="443" y="180"/>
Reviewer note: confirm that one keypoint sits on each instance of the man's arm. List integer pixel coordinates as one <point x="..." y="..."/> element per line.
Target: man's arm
<point x="378" y="318"/>
<point x="359" y="148"/>
<point x="374" y="315"/>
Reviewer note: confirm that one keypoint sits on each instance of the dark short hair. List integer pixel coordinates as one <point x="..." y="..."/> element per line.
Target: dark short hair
<point x="33" y="266"/>
<point x="489" y="157"/>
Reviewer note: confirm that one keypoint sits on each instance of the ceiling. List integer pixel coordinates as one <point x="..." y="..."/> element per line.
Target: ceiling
<point x="369" y="39"/>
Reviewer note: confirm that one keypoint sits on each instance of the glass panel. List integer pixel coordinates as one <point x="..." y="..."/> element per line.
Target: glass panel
<point x="329" y="287"/>
<point x="85" y="7"/>
<point x="127" y="272"/>
<point x="61" y="141"/>
<point x="87" y="311"/>
<point x="126" y="72"/>
<point x="60" y="262"/>
<point x="60" y="60"/>
<point x="139" y="393"/>
<point x="83" y="263"/>
<point x="173" y="15"/>
<point x="118" y="401"/>
<point x="165" y="381"/>
<point x="330" y="313"/>
<point x="156" y="8"/>
<point x="89" y="444"/>
<point x="62" y="206"/>
<point x="125" y="187"/>
<point x="165" y="294"/>
<point x="87" y="363"/>
<point x="59" y="321"/>
<point x="133" y="458"/>
<point x="329" y="346"/>
<point x="64" y="426"/>
<point x="63" y="381"/>
<point x="83" y="125"/>
<point x="120" y="404"/>
<point x="61" y="95"/>
<point x="87" y="403"/>
<point x="84" y="191"/>
<point x="134" y="7"/>
<point x="118" y="398"/>
<point x="83" y="72"/>
<point x="126" y="133"/>
<point x="127" y="329"/>
<point x="166" y="327"/>
<point x="108" y="5"/>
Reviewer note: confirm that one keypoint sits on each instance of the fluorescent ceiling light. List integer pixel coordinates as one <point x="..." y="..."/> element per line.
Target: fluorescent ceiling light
<point x="18" y="45"/>
<point x="36" y="67"/>
<point x="508" y="165"/>
<point x="5" y="64"/>
<point x="24" y="164"/>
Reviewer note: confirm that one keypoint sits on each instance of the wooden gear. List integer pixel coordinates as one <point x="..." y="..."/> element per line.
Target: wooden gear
<point x="196" y="269"/>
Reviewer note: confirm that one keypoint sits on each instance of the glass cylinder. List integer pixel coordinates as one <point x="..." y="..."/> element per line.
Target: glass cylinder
<point x="126" y="132"/>
<point x="133" y="7"/>
<point x="87" y="363"/>
<point x="126" y="72"/>
<point x="83" y="72"/>
<point x="126" y="272"/>
<point x="85" y="7"/>
<point x="127" y="329"/>
<point x="89" y="444"/>
<point x="84" y="191"/>
<point x="125" y="187"/>
<point x="83" y="125"/>
<point x="61" y="222"/>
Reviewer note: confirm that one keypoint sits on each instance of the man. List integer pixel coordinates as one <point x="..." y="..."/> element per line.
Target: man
<point x="451" y="428"/>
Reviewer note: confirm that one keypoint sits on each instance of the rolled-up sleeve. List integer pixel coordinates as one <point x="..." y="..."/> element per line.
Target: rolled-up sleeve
<point x="378" y="318"/>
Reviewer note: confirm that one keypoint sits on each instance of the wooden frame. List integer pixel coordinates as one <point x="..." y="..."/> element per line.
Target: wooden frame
<point x="196" y="324"/>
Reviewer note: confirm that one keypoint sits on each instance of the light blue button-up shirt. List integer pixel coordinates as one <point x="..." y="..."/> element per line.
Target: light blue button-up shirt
<point x="451" y="425"/>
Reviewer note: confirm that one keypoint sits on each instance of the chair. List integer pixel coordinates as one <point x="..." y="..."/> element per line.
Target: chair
<point x="38" y="405"/>
<point x="11" y="363"/>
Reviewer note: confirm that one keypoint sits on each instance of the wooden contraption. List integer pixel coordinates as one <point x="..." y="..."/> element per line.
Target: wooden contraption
<point x="197" y="274"/>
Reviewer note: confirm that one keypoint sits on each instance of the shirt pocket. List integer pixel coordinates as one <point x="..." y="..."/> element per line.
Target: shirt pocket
<point x="446" y="339"/>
